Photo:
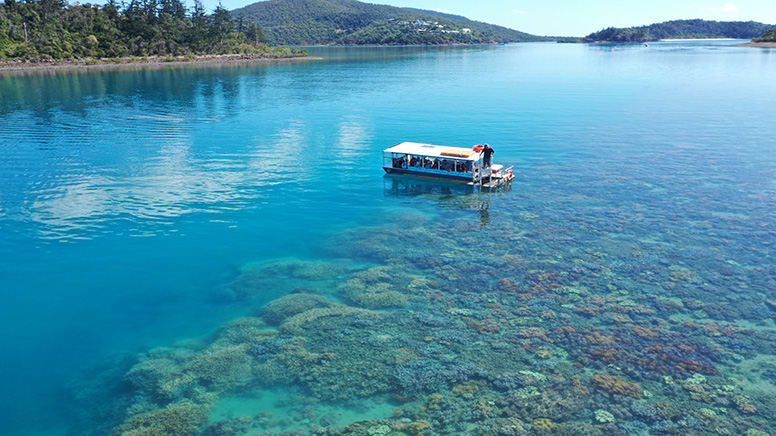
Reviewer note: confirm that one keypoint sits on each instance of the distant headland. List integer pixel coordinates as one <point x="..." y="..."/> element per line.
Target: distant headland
<point x="350" y="22"/>
<point x="681" y="29"/>
<point x="767" y="40"/>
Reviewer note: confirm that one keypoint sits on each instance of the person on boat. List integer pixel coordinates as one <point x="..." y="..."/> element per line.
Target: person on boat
<point x="487" y="155"/>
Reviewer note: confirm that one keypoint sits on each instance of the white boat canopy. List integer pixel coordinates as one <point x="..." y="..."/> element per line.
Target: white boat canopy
<point x="434" y="151"/>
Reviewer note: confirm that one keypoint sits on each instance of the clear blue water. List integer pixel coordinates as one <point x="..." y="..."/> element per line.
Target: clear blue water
<point x="131" y="200"/>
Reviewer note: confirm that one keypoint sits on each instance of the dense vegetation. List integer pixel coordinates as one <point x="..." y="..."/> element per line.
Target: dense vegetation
<point x="350" y="22"/>
<point x="681" y="29"/>
<point x="53" y="29"/>
<point x="768" y="36"/>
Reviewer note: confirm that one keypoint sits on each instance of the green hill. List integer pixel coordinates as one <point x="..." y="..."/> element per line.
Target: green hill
<point x="768" y="36"/>
<point x="681" y="29"/>
<point x="350" y="22"/>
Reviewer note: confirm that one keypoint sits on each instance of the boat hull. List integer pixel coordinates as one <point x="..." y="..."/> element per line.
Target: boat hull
<point x="408" y="172"/>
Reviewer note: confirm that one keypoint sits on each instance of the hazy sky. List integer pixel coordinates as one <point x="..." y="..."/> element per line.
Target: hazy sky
<point x="581" y="17"/>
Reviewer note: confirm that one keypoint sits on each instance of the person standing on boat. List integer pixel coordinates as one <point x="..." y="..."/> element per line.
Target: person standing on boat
<point x="487" y="155"/>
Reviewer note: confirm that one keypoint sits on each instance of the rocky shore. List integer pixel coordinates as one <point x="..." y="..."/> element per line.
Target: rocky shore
<point x="134" y="62"/>
<point x="759" y="44"/>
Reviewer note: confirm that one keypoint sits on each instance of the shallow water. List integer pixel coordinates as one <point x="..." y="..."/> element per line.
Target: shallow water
<point x="149" y="209"/>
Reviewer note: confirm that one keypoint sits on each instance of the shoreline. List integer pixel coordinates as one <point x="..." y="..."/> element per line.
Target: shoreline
<point x="699" y="39"/>
<point x="479" y="44"/>
<point x="151" y="61"/>
<point x="759" y="44"/>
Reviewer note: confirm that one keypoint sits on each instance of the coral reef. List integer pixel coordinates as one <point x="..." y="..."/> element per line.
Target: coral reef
<point x="608" y="320"/>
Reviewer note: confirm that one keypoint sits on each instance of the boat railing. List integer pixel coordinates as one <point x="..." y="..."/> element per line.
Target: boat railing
<point x="495" y="178"/>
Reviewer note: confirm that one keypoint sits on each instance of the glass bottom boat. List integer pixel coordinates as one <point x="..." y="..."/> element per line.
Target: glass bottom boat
<point x="442" y="162"/>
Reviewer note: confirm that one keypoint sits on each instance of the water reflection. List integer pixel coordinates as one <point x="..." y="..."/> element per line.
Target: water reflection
<point x="398" y="186"/>
<point x="79" y="92"/>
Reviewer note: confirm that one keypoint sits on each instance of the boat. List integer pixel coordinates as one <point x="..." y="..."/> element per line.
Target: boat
<point x="449" y="163"/>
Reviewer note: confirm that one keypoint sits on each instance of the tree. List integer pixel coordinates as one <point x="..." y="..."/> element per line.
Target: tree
<point x="175" y="9"/>
<point x="199" y="27"/>
<point x="255" y="34"/>
<point x="222" y="23"/>
<point x="52" y="29"/>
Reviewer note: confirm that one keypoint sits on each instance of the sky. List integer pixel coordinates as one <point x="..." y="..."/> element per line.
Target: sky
<point x="581" y="17"/>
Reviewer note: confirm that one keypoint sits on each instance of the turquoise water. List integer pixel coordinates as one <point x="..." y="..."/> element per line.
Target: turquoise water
<point x="625" y="285"/>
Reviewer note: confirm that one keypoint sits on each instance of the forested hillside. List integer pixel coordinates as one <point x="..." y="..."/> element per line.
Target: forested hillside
<point x="301" y="22"/>
<point x="53" y="29"/>
<point x="768" y="36"/>
<point x="681" y="29"/>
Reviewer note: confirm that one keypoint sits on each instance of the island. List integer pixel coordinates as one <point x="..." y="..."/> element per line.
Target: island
<point x="767" y="40"/>
<point x="350" y="22"/>
<point x="680" y="29"/>
<point x="54" y="33"/>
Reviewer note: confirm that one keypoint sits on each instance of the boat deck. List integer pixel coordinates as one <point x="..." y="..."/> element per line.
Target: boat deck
<point x="493" y="182"/>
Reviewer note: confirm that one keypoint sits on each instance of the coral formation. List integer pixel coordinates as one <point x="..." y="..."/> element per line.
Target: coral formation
<point x="603" y="417"/>
<point x="617" y="385"/>
<point x="277" y="311"/>
<point x="296" y="323"/>
<point x="180" y="419"/>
